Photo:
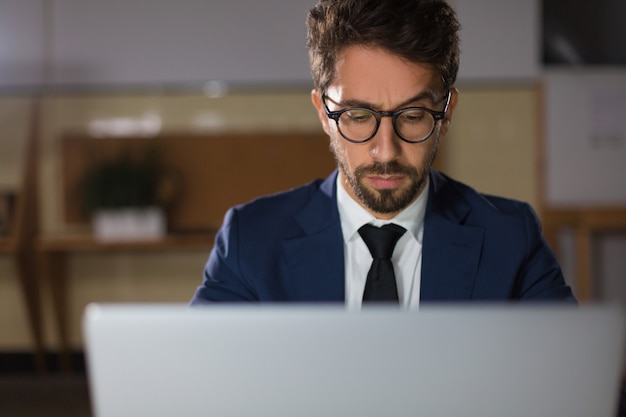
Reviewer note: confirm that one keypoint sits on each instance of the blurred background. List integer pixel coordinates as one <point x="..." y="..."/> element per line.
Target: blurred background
<point x="541" y="118"/>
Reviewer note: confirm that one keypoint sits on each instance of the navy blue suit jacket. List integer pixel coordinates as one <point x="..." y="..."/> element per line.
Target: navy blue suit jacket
<point x="289" y="247"/>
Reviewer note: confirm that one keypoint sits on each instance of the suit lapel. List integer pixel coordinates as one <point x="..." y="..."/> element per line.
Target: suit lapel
<point x="314" y="261"/>
<point x="451" y="250"/>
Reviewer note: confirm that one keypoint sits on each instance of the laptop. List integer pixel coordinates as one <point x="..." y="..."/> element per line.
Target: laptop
<point x="169" y="360"/>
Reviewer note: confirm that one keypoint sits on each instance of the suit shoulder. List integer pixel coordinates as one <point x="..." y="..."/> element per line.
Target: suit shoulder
<point x="487" y="203"/>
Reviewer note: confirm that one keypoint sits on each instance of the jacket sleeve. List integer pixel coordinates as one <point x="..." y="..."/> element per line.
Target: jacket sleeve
<point x="223" y="279"/>
<point x="540" y="277"/>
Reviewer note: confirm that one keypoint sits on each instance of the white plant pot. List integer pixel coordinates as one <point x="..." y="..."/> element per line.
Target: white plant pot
<point x="129" y="224"/>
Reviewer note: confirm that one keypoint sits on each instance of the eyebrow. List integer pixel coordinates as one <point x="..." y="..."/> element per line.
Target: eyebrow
<point x="428" y="94"/>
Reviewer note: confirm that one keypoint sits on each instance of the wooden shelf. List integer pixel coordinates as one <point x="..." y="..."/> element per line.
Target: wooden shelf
<point x="210" y="172"/>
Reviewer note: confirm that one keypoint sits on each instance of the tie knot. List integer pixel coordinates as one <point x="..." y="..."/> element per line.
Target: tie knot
<point x="381" y="241"/>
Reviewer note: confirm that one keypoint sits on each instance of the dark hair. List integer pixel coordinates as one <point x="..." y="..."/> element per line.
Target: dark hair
<point x="420" y="31"/>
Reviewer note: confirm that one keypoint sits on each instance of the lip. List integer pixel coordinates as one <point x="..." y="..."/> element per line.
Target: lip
<point x="386" y="182"/>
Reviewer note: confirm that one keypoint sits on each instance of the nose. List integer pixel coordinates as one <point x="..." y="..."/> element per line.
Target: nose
<point x="385" y="145"/>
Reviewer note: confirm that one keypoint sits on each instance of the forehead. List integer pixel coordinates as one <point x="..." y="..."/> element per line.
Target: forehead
<point x="379" y="77"/>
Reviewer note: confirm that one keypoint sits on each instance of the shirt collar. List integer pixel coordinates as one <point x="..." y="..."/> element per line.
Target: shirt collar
<point x="353" y="215"/>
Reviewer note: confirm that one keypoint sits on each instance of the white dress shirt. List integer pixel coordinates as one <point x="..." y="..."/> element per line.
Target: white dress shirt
<point x="407" y="256"/>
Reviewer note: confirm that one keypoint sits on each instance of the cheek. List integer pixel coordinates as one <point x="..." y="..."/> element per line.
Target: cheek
<point x="417" y="154"/>
<point x="337" y="148"/>
<point x="345" y="153"/>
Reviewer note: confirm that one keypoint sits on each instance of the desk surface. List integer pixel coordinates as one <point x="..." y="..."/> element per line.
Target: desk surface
<point x="88" y="243"/>
<point x="55" y="249"/>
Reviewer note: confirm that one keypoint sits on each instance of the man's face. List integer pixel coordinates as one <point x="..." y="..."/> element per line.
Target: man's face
<point x="384" y="174"/>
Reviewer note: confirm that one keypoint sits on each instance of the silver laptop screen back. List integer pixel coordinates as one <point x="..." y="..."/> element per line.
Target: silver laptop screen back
<point x="311" y="361"/>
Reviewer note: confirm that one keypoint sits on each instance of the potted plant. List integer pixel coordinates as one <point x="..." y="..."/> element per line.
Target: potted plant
<point x="124" y="196"/>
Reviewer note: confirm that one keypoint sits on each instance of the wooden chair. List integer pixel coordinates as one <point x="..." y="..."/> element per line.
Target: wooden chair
<point x="20" y="243"/>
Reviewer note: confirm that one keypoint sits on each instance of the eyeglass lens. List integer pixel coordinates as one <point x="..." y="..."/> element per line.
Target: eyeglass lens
<point x="361" y="124"/>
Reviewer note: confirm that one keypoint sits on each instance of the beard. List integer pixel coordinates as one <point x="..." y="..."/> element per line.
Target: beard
<point x="388" y="201"/>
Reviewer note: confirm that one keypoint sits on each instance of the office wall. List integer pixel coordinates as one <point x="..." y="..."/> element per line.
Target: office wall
<point x="22" y="49"/>
<point x="122" y="44"/>
<point x="585" y="136"/>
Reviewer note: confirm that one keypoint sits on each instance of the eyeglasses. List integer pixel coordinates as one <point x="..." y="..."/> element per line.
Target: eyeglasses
<point x="411" y="124"/>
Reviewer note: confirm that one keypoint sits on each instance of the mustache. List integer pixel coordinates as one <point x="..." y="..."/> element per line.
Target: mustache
<point x="385" y="168"/>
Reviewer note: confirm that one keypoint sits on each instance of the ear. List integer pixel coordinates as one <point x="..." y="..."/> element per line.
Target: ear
<point x="316" y="98"/>
<point x="454" y="98"/>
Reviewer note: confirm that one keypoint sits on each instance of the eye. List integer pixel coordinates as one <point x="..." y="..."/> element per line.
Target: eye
<point x="357" y="116"/>
<point x="412" y="116"/>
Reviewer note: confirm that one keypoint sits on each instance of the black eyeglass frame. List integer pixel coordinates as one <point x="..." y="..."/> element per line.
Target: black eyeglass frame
<point x="437" y="115"/>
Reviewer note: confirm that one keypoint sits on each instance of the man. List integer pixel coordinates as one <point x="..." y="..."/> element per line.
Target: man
<point x="384" y="73"/>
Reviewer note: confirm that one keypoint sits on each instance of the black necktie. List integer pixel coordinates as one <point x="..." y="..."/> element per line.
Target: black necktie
<point x="381" y="281"/>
